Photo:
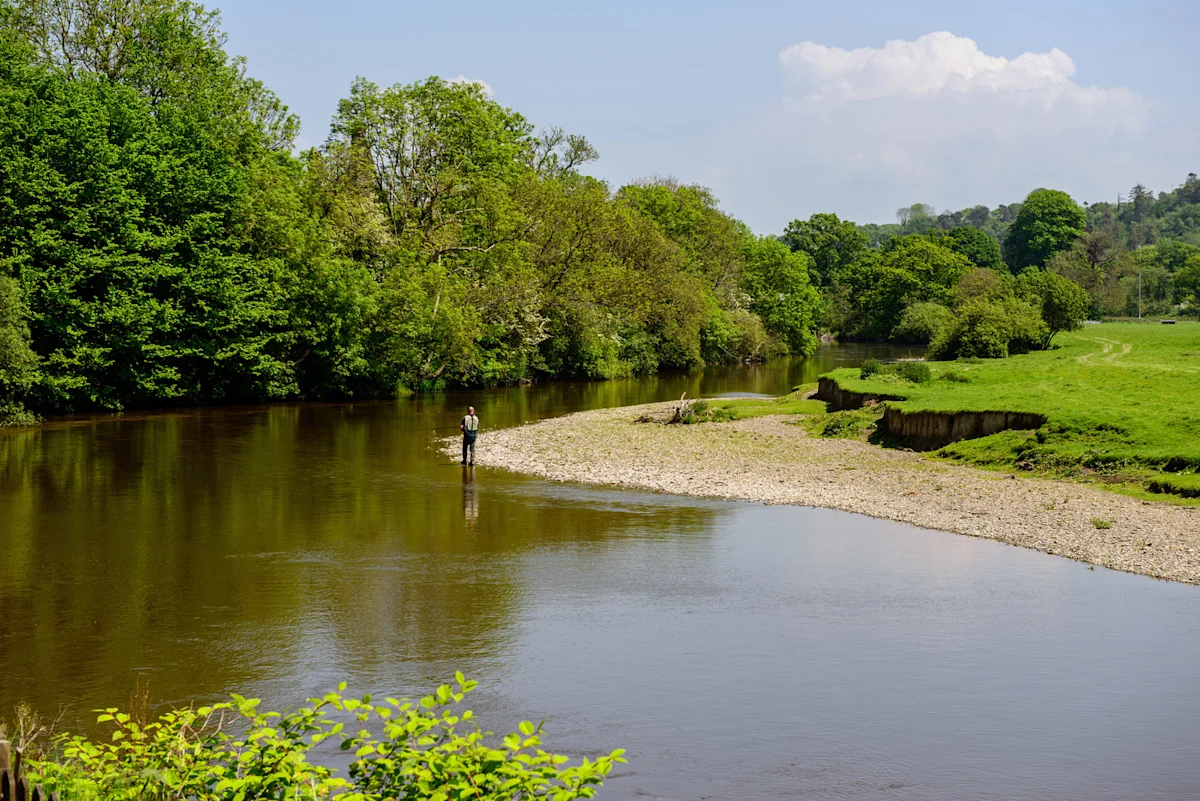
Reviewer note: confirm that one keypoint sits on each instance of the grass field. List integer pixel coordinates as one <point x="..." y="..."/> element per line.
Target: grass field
<point x="1122" y="401"/>
<point x="719" y="411"/>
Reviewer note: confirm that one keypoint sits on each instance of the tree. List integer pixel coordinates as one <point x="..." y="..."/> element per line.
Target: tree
<point x="1063" y="303"/>
<point x="18" y="362"/>
<point x="1141" y="200"/>
<point x="977" y="216"/>
<point x="1173" y="256"/>
<point x="881" y="284"/>
<point x="981" y="283"/>
<point x="832" y="243"/>
<point x="921" y="323"/>
<point x="949" y="220"/>
<point x="710" y="240"/>
<point x="1097" y="261"/>
<point x="990" y="329"/>
<point x="171" y="51"/>
<point x="149" y="273"/>
<point x="558" y="153"/>
<point x="979" y="247"/>
<point x="777" y="281"/>
<point x="1048" y="222"/>
<point x="443" y="156"/>
<point x="1187" y="282"/>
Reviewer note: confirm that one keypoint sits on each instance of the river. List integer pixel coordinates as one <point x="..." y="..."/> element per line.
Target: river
<point x="735" y="650"/>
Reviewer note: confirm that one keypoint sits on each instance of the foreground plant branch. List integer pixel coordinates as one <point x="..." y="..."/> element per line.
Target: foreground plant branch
<point x="233" y="751"/>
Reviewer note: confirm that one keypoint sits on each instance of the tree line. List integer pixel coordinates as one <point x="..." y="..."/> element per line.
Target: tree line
<point x="160" y="243"/>
<point x="988" y="283"/>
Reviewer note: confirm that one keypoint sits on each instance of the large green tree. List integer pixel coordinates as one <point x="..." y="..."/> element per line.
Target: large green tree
<point x="777" y="281"/>
<point x="1063" y="303"/>
<point x="981" y="248"/>
<point x="1048" y="223"/>
<point x="883" y="283"/>
<point x="1097" y="261"/>
<point x="832" y="244"/>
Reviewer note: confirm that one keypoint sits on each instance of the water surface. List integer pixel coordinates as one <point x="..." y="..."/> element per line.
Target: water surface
<point x="736" y="650"/>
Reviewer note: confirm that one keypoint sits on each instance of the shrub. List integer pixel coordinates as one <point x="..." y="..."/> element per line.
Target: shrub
<point x="921" y="322"/>
<point x="869" y="368"/>
<point x="991" y="330"/>
<point x="1101" y="523"/>
<point x="847" y="424"/>
<point x="234" y="750"/>
<point x="916" y="372"/>
<point x="957" y="377"/>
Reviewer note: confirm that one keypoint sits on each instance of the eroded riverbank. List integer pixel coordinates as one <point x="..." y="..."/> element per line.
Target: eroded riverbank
<point x="768" y="459"/>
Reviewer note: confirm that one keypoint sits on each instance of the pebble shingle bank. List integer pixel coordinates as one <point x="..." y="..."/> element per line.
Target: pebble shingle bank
<point x="769" y="460"/>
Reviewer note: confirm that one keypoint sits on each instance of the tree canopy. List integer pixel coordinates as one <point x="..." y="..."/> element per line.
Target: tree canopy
<point x="160" y="243"/>
<point x="1049" y="222"/>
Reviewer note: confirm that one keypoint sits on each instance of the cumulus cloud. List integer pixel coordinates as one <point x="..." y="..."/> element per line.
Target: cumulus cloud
<point x="938" y="120"/>
<point x="487" y="90"/>
<point x="935" y="63"/>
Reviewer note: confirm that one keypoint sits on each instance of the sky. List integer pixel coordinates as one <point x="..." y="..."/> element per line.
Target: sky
<point x="787" y="109"/>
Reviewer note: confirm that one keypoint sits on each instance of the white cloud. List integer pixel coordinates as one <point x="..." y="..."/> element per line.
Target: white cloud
<point x="937" y="120"/>
<point x="936" y="63"/>
<point x="487" y="90"/>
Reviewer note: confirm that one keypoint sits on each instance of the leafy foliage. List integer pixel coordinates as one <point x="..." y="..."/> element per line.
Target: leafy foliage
<point x="831" y="243"/>
<point x="1049" y="222"/>
<point x="981" y="248"/>
<point x="233" y="750"/>
<point x="921" y="322"/>
<point x="18" y="363"/>
<point x="990" y="329"/>
<point x="777" y="281"/>
<point x="914" y="372"/>
<point x="168" y="247"/>
<point x="882" y="284"/>
<point x="1063" y="303"/>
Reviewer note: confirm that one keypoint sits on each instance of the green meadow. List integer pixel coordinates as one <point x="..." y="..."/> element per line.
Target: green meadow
<point x="1122" y="402"/>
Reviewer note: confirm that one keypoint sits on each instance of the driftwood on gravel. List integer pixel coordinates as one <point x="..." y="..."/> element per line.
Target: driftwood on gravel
<point x="682" y="410"/>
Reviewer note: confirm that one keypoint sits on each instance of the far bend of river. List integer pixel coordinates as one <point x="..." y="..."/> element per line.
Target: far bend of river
<point x="738" y="651"/>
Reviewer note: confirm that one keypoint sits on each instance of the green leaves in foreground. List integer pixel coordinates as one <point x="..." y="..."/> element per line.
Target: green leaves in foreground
<point x="232" y="751"/>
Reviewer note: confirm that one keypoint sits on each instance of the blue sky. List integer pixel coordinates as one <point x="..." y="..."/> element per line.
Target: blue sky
<point x="788" y="109"/>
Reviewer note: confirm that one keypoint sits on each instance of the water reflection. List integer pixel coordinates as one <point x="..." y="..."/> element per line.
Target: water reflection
<point x="470" y="497"/>
<point x="736" y="650"/>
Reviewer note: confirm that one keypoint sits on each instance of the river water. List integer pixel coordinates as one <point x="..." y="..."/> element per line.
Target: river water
<point x="736" y="650"/>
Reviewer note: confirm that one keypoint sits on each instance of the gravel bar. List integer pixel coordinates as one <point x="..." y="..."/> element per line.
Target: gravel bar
<point x="771" y="460"/>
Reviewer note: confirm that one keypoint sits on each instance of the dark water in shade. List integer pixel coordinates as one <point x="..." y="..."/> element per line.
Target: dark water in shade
<point x="737" y="651"/>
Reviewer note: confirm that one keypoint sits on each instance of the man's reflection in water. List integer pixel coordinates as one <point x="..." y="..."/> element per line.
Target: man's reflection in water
<point x="470" y="499"/>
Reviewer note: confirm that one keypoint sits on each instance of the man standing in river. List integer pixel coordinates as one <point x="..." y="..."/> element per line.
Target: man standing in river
<point x="470" y="428"/>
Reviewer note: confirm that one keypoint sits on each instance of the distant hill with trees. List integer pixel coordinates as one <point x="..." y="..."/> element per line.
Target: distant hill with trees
<point x="931" y="273"/>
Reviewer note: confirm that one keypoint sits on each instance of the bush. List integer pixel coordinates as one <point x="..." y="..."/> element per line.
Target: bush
<point x="847" y="424"/>
<point x="235" y="751"/>
<point x="990" y="330"/>
<point x="955" y="376"/>
<point x="869" y="368"/>
<point x="921" y="322"/>
<point x="915" y="372"/>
